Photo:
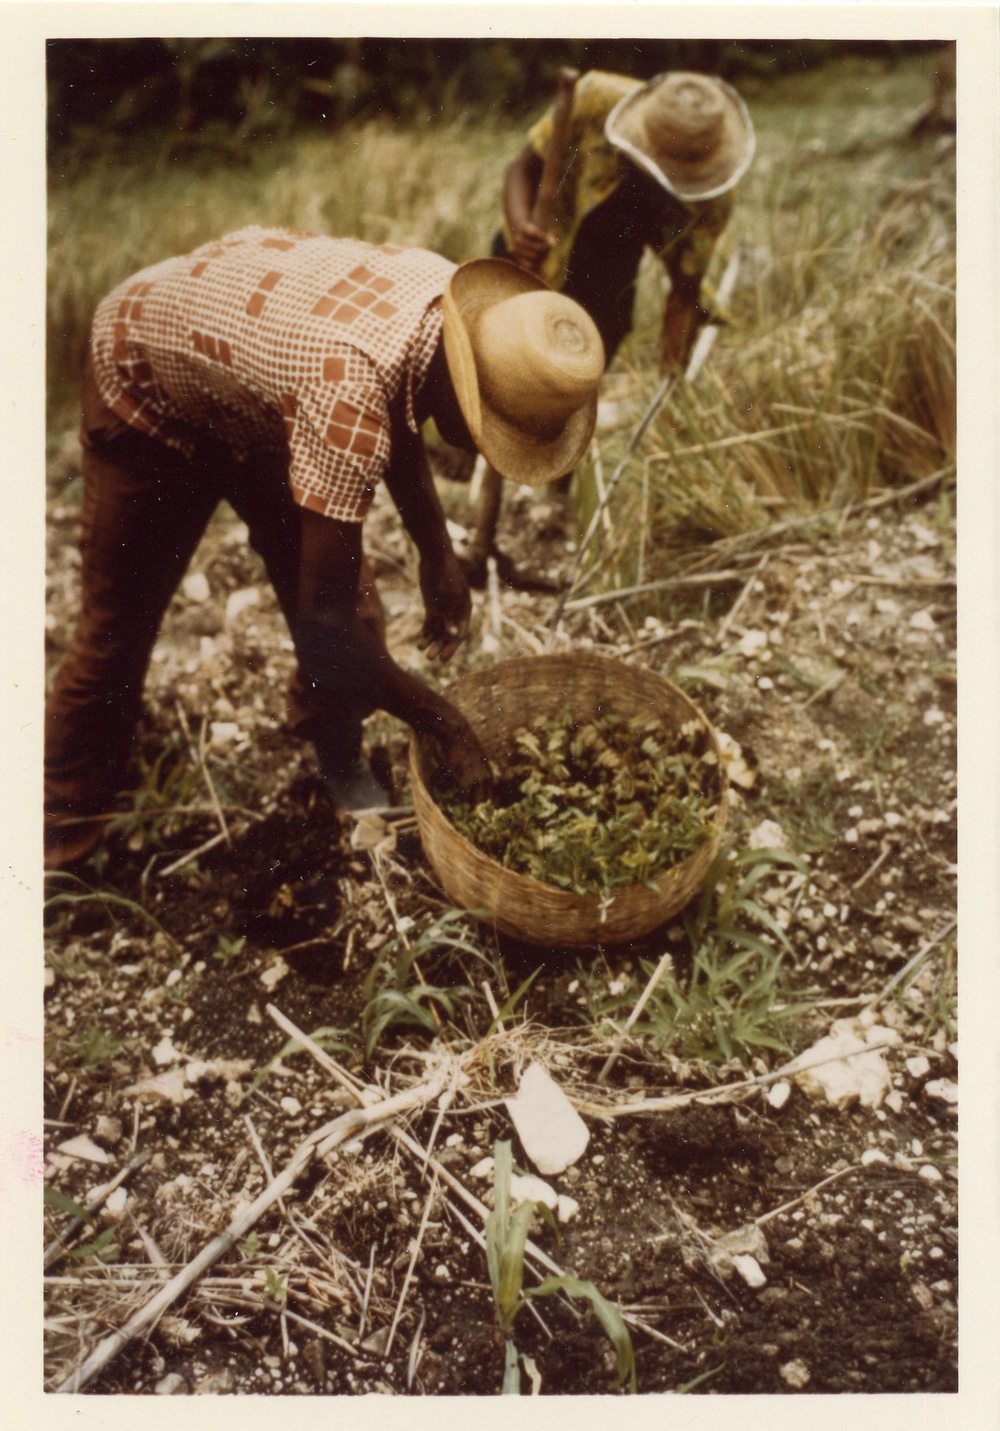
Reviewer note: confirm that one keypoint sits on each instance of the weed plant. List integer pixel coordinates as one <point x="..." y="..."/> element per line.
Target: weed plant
<point x="728" y="1005"/>
<point x="64" y="890"/>
<point x="396" y="991"/>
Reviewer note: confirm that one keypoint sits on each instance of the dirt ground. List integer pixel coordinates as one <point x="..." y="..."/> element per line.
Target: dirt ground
<point x="836" y="678"/>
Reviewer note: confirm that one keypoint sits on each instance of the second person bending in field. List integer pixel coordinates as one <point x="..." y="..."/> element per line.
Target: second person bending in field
<point x="648" y="165"/>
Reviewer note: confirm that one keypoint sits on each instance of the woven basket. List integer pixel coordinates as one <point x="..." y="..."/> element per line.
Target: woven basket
<point x="503" y="699"/>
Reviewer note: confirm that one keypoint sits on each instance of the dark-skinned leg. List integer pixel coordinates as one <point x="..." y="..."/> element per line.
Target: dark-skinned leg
<point x="144" y="511"/>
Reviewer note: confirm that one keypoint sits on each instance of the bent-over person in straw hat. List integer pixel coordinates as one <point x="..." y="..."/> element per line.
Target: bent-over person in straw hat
<point x="289" y="374"/>
<point x="649" y="165"/>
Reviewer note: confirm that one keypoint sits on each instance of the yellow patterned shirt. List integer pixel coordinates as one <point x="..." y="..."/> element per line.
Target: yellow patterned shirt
<point x="594" y="171"/>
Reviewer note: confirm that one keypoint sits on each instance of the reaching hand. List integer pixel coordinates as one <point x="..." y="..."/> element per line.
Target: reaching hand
<point x="531" y="244"/>
<point x="462" y="764"/>
<point x="447" y="605"/>
<point x="680" y="327"/>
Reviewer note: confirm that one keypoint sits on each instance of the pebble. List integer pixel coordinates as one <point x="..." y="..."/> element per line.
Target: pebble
<point x="779" y="1093"/>
<point x="164" y="1053"/>
<point x="873" y="1155"/>
<point x="768" y="835"/>
<point x="566" y="1208"/>
<point x="240" y="601"/>
<point x="82" y="1147"/>
<point x="195" y="586"/>
<point x="796" y="1374"/>
<point x="751" y="643"/>
<point x="108" y="1131"/>
<point x="749" y="1269"/>
<point x="944" y="1090"/>
<point x="224" y="732"/>
<point x="274" y="973"/>
<point x="173" y="1384"/>
<point x="930" y="1173"/>
<point x="526" y="1188"/>
<point x="552" y="1132"/>
<point x="117" y="1202"/>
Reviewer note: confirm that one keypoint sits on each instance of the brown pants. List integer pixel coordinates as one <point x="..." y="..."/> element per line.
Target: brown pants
<point x="145" y="509"/>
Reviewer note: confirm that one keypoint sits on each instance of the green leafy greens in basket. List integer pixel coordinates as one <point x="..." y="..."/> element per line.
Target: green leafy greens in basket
<point x="591" y="806"/>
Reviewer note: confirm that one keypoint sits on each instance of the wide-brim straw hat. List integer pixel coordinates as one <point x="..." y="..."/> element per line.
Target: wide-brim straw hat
<point x="526" y="363"/>
<point x="690" y="132"/>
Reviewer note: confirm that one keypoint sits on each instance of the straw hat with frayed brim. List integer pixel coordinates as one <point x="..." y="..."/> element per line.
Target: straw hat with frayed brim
<point x="690" y="132"/>
<point x="525" y="363"/>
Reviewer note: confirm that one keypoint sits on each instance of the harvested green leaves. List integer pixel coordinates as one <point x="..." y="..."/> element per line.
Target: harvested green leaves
<point x="592" y="806"/>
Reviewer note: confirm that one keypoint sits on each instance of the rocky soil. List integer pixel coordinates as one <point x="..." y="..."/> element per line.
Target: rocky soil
<point x="784" y="1237"/>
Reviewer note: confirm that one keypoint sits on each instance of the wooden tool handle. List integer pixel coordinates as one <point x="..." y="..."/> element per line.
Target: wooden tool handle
<point x="541" y="214"/>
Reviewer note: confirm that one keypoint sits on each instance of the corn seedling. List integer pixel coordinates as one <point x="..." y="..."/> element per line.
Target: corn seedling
<point x="506" y="1236"/>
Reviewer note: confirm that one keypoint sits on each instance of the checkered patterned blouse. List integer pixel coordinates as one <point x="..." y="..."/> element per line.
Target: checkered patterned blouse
<point x="272" y="338"/>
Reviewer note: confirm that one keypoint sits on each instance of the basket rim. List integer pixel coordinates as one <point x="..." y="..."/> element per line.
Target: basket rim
<point x="579" y="904"/>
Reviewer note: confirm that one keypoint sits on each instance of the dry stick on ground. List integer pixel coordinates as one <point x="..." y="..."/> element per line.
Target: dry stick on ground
<point x="720" y="1094"/>
<point x="911" y="964"/>
<point x="317" y="1146"/>
<point x="190" y="855"/>
<point x="796" y="1201"/>
<point x="640" y="1004"/>
<point x="701" y="578"/>
<point x="741" y="600"/>
<point x="414" y="1254"/>
<point x="727" y="546"/>
<point x="420" y="1154"/>
<point x="195" y="809"/>
<point x="198" y="751"/>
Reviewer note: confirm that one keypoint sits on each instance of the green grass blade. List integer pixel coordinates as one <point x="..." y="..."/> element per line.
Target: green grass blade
<point x="607" y="1314"/>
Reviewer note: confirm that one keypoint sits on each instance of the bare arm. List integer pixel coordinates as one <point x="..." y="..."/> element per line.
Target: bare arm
<point x="531" y="243"/>
<point x="681" y="316"/>
<point x="345" y="656"/>
<point x="447" y="602"/>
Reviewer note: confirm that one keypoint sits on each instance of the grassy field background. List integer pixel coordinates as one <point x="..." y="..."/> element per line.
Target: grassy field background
<point x="837" y="375"/>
